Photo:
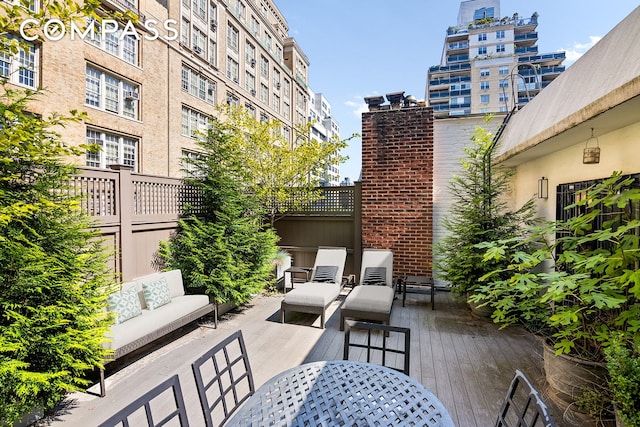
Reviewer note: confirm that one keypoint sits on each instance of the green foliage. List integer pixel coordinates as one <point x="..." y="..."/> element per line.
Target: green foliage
<point x="52" y="270"/>
<point x="478" y="213"/>
<point x="272" y="168"/>
<point x="224" y="248"/>
<point x="624" y="378"/>
<point x="581" y="288"/>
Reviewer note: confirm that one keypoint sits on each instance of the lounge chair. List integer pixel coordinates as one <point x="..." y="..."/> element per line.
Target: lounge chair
<point x="373" y="298"/>
<point x="326" y="282"/>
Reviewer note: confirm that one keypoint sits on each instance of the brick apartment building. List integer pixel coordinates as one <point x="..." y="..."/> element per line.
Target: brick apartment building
<point x="147" y="92"/>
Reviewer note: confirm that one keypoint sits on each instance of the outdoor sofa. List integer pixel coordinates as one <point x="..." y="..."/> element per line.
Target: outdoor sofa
<point x="326" y="283"/>
<point x="148" y="308"/>
<point x="373" y="298"/>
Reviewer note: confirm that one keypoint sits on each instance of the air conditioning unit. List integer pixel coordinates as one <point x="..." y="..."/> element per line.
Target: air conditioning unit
<point x="253" y="63"/>
<point x="214" y="24"/>
<point x="197" y="49"/>
<point x="211" y="88"/>
<point x="131" y="95"/>
<point x="235" y="80"/>
<point x="253" y="92"/>
<point x="278" y="85"/>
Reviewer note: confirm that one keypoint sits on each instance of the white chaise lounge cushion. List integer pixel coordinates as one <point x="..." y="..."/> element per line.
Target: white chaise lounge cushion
<point x="313" y="294"/>
<point x="372" y="298"/>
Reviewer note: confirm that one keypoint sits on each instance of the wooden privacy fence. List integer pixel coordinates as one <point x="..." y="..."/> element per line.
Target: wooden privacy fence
<point x="135" y="212"/>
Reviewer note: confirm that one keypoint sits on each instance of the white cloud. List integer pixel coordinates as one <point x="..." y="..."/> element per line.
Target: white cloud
<point x="578" y="49"/>
<point x="357" y="108"/>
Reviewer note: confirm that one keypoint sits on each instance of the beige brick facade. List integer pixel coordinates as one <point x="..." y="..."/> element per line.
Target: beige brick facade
<point x="219" y="73"/>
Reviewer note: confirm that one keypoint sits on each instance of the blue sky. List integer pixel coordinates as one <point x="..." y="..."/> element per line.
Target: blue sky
<point x="360" y="48"/>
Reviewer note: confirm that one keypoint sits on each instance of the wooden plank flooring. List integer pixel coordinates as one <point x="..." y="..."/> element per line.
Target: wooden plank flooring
<point x="466" y="361"/>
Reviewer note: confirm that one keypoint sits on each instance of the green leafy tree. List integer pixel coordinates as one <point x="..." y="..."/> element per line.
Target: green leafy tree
<point x="224" y="247"/>
<point x="478" y="214"/>
<point x="583" y="286"/>
<point x="53" y="273"/>
<point x="280" y="175"/>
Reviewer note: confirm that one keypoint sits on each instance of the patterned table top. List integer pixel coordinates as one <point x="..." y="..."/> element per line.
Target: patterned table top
<point x="342" y="393"/>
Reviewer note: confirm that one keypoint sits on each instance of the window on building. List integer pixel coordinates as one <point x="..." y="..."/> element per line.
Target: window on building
<point x="213" y="16"/>
<point x="504" y="69"/>
<point x="287" y="88"/>
<point x="124" y="46"/>
<point x="484" y="72"/>
<point x="110" y="93"/>
<point x="484" y="99"/>
<point x="114" y="150"/>
<point x="267" y="41"/>
<point x="504" y="83"/>
<point x="501" y="48"/>
<point x="264" y="93"/>
<point x="482" y="50"/>
<point x="233" y="38"/>
<point x="264" y="67"/>
<point x="198" y="85"/>
<point x="213" y="52"/>
<point x="504" y="97"/>
<point x="241" y="10"/>
<point x="200" y="8"/>
<point x="189" y="168"/>
<point x="484" y="13"/>
<point x="185" y="31"/>
<point x="23" y="67"/>
<point x="276" y="103"/>
<point x="286" y="108"/>
<point x="250" y="54"/>
<point x="279" y="53"/>
<point x="251" y="110"/>
<point x="199" y="45"/>
<point x="500" y="34"/>
<point x="255" y="25"/>
<point x="193" y="121"/>
<point x="233" y="69"/>
<point x="482" y="37"/>
<point x="232" y="100"/>
<point x="250" y="82"/>
<point x="276" y="79"/>
<point x="484" y="85"/>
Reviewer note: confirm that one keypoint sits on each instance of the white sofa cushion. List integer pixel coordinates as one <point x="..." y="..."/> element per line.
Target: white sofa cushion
<point x="313" y="294"/>
<point x="377" y="299"/>
<point x="156" y="293"/>
<point x="152" y="320"/>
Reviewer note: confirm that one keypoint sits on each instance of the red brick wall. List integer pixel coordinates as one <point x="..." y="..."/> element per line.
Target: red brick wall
<point x="397" y="186"/>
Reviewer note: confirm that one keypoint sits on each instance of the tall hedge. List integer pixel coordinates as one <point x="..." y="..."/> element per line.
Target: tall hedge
<point x="52" y="270"/>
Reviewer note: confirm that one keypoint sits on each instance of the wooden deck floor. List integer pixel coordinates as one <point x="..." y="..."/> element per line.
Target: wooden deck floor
<point x="466" y="361"/>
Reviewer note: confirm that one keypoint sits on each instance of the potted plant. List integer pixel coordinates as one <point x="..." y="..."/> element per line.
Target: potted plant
<point x="623" y="364"/>
<point x="478" y="213"/>
<point x="574" y="282"/>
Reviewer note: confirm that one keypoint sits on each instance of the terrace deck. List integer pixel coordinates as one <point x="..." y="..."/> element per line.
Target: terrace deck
<point x="466" y="361"/>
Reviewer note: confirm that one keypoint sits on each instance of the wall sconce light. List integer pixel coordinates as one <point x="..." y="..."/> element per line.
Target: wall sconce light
<point x="591" y="155"/>
<point x="543" y="188"/>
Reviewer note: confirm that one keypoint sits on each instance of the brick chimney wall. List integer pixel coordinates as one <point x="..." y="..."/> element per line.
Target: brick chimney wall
<point x="397" y="186"/>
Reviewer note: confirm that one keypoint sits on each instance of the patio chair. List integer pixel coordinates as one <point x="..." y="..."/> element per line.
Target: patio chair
<point x="373" y="298"/>
<point x="378" y="352"/>
<point x="523" y="406"/>
<point x="326" y="283"/>
<point x="160" y="400"/>
<point x="223" y="379"/>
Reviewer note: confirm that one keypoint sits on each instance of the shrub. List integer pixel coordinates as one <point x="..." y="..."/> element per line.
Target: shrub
<point x="624" y="378"/>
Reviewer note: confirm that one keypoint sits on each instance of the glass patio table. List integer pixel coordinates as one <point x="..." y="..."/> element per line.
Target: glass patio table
<point x="342" y="393"/>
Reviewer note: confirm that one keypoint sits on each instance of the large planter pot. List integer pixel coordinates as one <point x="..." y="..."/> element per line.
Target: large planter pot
<point x="567" y="379"/>
<point x="484" y="312"/>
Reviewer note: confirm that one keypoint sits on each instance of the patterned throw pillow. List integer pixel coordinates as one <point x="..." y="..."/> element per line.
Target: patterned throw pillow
<point x="375" y="276"/>
<point x="125" y="304"/>
<point x="156" y="293"/>
<point x="325" y="273"/>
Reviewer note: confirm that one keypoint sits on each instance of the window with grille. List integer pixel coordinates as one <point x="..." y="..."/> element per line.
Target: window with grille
<point x="193" y="121"/>
<point x="113" y="149"/>
<point x="21" y="68"/>
<point x="111" y="93"/>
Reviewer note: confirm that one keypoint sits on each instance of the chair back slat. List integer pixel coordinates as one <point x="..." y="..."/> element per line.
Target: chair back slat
<point x="351" y="341"/>
<point x="523" y="406"/>
<point x="223" y="379"/>
<point x="125" y="416"/>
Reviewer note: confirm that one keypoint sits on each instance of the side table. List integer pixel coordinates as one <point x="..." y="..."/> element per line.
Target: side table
<point x="295" y="270"/>
<point x="419" y="283"/>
